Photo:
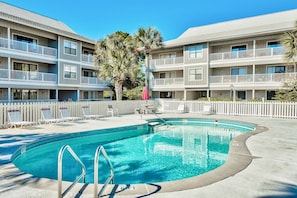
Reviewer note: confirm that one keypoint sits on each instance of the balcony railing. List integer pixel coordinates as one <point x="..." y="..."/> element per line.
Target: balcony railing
<point x="28" y="47"/>
<point x="247" y="54"/>
<point x="225" y="56"/>
<point x="167" y="61"/>
<point x="93" y="81"/>
<point x="4" y="74"/>
<point x="87" y="59"/>
<point x="167" y="82"/>
<point x="37" y="77"/>
<point x="257" y="78"/>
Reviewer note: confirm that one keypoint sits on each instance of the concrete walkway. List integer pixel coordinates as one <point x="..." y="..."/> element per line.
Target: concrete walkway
<point x="271" y="173"/>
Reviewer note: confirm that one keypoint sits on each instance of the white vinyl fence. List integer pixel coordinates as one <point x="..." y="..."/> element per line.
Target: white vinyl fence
<point x="31" y="111"/>
<point x="271" y="109"/>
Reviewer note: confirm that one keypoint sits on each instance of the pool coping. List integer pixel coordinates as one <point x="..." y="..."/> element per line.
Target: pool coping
<point x="239" y="157"/>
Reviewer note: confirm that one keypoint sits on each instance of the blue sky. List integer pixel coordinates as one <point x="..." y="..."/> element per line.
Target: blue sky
<point x="96" y="19"/>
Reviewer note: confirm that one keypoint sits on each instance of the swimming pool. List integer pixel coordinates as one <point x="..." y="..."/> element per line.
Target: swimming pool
<point x="180" y="149"/>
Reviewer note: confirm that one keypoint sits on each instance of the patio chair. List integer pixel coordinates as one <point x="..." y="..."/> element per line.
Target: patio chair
<point x="65" y="114"/>
<point x="112" y="111"/>
<point x="47" y="116"/>
<point x="15" y="118"/>
<point x="87" y="113"/>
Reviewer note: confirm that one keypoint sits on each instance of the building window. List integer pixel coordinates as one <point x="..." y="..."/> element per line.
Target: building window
<point x="88" y="73"/>
<point x="195" y="51"/>
<point x="241" y="95"/>
<point x="276" y="69"/>
<point x="24" y="94"/>
<point x="165" y="94"/>
<point x="167" y="55"/>
<point x="238" y="71"/>
<point x="273" y="44"/>
<point x="25" y="66"/>
<point x="238" y="48"/>
<point x="237" y="51"/>
<point x="270" y="95"/>
<point x="196" y="74"/>
<point x="165" y="75"/>
<point x="70" y="72"/>
<point x="70" y="47"/>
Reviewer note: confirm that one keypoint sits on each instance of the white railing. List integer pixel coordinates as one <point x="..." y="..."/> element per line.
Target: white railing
<point x="37" y="77"/>
<point x="33" y="48"/>
<point x="273" y="109"/>
<point x="269" y="51"/>
<point x="257" y="78"/>
<point x="167" y="61"/>
<point x="4" y="74"/>
<point x="167" y="82"/>
<point x="93" y="81"/>
<point x="221" y="56"/>
<point x="3" y="43"/>
<point x="87" y="59"/>
<point x="247" y="54"/>
<point x="28" y="47"/>
<point x="31" y="111"/>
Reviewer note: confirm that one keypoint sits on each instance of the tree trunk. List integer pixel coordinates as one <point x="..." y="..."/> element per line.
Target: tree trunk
<point x="119" y="90"/>
<point x="147" y="74"/>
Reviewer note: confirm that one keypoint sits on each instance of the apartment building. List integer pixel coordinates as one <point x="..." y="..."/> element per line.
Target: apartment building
<point x="235" y="59"/>
<point x="42" y="59"/>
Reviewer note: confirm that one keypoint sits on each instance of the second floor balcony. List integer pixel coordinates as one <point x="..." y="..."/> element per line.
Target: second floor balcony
<point x="26" y="76"/>
<point x="227" y="80"/>
<point x="25" y="47"/>
<point x="89" y="59"/>
<point x="254" y="53"/>
<point x="219" y="57"/>
<point x="167" y="82"/>
<point x="253" y="78"/>
<point x="93" y="81"/>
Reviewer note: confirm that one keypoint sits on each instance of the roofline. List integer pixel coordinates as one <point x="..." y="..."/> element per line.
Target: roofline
<point x="26" y="22"/>
<point x="282" y="26"/>
<point x="182" y="43"/>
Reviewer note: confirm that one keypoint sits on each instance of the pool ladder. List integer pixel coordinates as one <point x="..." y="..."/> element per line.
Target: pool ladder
<point x="99" y="150"/>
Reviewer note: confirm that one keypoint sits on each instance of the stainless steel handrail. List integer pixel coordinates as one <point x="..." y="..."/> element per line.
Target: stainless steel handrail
<point x="60" y="170"/>
<point x="100" y="149"/>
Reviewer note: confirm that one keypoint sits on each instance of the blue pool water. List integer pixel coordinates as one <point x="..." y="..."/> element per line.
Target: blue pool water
<point x="183" y="148"/>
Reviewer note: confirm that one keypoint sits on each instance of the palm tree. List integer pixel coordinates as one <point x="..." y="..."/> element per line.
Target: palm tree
<point x="147" y="40"/>
<point x="116" y="60"/>
<point x="289" y="41"/>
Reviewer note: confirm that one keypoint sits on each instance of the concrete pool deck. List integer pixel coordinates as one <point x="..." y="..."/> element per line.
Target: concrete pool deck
<point x="271" y="169"/>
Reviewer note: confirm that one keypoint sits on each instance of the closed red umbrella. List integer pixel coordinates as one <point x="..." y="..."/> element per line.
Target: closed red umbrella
<point x="145" y="94"/>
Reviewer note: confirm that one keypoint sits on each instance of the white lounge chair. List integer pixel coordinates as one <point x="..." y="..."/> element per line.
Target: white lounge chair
<point x="15" y="118"/>
<point x="65" y="114"/>
<point x="47" y="116"/>
<point x="87" y="113"/>
<point x="112" y="111"/>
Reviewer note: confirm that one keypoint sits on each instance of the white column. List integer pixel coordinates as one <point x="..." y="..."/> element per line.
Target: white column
<point x="8" y="37"/>
<point x="185" y="95"/>
<point x="254" y="75"/>
<point x="254" y="48"/>
<point x="9" y="94"/>
<point x="78" y="96"/>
